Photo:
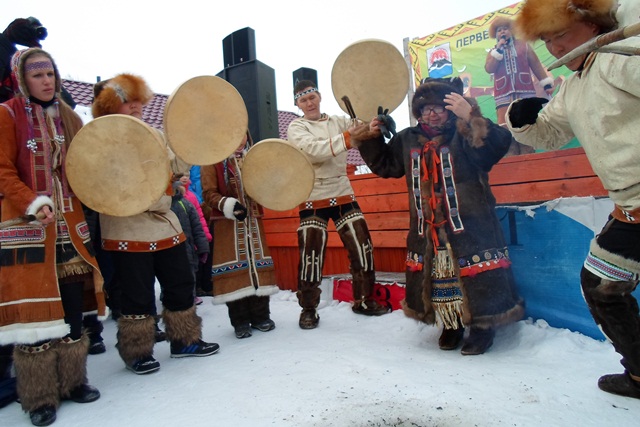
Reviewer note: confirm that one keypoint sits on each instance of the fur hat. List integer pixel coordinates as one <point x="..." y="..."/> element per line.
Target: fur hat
<point x="539" y="17"/>
<point x="18" y="61"/>
<point x="499" y="21"/>
<point x="109" y="95"/>
<point x="432" y="92"/>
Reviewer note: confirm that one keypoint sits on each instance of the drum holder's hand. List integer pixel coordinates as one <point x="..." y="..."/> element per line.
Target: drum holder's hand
<point x="387" y="124"/>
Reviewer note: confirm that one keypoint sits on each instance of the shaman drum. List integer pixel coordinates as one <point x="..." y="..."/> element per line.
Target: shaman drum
<point x="118" y="165"/>
<point x="371" y="73"/>
<point x="277" y="175"/>
<point x="205" y="119"/>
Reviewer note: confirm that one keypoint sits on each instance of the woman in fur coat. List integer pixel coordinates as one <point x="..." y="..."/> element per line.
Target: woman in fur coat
<point x="457" y="263"/>
<point x="243" y="271"/>
<point x="49" y="276"/>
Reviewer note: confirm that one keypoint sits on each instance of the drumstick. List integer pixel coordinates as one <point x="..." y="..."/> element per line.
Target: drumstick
<point x="21" y="220"/>
<point x="350" y="110"/>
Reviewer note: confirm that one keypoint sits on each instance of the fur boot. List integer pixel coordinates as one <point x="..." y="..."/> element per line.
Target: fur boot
<point x="37" y="376"/>
<point x="308" y="294"/>
<point x="136" y="337"/>
<point x="183" y="326"/>
<point x="72" y="364"/>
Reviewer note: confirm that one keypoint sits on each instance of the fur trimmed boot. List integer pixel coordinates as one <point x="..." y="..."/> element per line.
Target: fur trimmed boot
<point x="260" y="313"/>
<point x="240" y="316"/>
<point x="620" y="384"/>
<point x="184" y="331"/>
<point x="37" y="381"/>
<point x="72" y="370"/>
<point x="136" y="338"/>
<point x="309" y="298"/>
<point x="450" y="338"/>
<point x="309" y="318"/>
<point x="478" y="341"/>
<point x="363" y="302"/>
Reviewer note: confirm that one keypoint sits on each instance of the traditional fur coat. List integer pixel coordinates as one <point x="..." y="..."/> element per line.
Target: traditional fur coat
<point x="457" y="260"/>
<point x="30" y="305"/>
<point x="242" y="264"/>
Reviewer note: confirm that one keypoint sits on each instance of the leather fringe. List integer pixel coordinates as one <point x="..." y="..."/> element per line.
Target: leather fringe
<point x="74" y="267"/>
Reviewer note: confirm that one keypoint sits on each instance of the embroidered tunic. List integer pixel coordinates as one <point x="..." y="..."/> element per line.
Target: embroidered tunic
<point x="512" y="72"/>
<point x="242" y="263"/>
<point x="457" y="259"/>
<point x="328" y="156"/>
<point x="30" y="255"/>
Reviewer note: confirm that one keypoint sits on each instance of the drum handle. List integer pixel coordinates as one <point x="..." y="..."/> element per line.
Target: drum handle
<point x="350" y="109"/>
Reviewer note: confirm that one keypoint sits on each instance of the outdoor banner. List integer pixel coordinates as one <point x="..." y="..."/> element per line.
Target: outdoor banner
<point x="464" y="49"/>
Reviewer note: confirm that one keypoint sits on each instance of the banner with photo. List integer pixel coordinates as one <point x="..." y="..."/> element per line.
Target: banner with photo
<point x="464" y="50"/>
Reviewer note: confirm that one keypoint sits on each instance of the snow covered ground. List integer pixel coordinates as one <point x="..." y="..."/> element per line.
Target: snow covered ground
<point x="355" y="371"/>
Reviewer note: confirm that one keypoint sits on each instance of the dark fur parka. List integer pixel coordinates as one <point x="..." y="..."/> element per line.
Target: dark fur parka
<point x="490" y="297"/>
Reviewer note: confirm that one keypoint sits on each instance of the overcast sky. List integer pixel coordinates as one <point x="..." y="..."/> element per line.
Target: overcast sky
<point x="170" y="42"/>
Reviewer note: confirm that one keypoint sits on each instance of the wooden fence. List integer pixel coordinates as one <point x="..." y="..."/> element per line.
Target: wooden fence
<point x="518" y="180"/>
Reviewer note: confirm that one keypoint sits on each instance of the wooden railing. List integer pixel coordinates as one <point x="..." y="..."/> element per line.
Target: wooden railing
<point x="518" y="180"/>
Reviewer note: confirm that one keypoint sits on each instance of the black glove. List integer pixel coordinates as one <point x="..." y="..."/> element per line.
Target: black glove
<point x="388" y="125"/>
<point x="239" y="211"/>
<point x="25" y="32"/>
<point x="525" y="111"/>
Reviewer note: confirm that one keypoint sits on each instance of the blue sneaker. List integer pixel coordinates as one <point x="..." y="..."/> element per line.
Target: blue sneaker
<point x="197" y="349"/>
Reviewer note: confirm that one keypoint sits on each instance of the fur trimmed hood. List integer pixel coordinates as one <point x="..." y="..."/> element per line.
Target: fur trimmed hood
<point x="539" y="17"/>
<point x="432" y="92"/>
<point x="499" y="21"/>
<point x="18" y="61"/>
<point x="109" y="95"/>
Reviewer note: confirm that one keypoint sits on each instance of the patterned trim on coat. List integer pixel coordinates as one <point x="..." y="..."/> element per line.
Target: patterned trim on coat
<point x="327" y="203"/>
<point x="415" y="188"/>
<point x="489" y="259"/>
<point x="451" y="194"/>
<point x="134" y="246"/>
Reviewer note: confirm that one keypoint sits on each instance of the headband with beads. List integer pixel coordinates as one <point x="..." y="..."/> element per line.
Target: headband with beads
<point x="305" y="92"/>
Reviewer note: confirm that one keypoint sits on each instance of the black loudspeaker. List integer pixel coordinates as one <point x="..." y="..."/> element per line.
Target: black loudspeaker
<point x="305" y="74"/>
<point x="256" y="83"/>
<point x="239" y="47"/>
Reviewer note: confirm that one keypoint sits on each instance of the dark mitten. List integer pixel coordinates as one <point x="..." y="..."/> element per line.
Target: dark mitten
<point x="388" y="125"/>
<point x="239" y="211"/>
<point x="525" y="111"/>
<point x="25" y="32"/>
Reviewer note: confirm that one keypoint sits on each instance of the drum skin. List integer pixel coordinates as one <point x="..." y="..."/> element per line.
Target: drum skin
<point x="371" y="73"/>
<point x="205" y="119"/>
<point x="277" y="175"/>
<point x="118" y="165"/>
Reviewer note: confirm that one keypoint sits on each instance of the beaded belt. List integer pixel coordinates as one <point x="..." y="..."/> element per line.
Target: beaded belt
<point x="327" y="203"/>
<point x="134" y="246"/>
<point x="631" y="217"/>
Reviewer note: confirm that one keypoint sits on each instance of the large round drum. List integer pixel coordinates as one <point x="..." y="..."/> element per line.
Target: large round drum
<point x="371" y="73"/>
<point x="205" y="119"/>
<point x="118" y="165"/>
<point x="277" y="175"/>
